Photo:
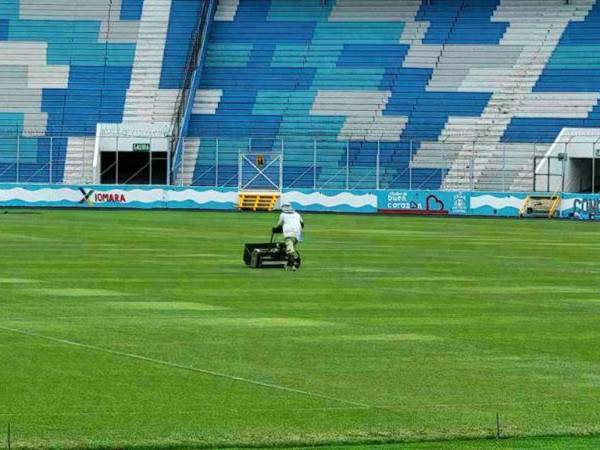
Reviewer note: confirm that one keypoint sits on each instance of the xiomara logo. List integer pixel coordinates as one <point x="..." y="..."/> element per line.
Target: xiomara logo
<point x="91" y="197"/>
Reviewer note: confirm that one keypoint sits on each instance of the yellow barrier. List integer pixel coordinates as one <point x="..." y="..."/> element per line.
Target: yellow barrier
<point x="257" y="201"/>
<point x="540" y="205"/>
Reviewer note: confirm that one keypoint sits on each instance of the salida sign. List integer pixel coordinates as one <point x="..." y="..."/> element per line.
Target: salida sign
<point x="91" y="197"/>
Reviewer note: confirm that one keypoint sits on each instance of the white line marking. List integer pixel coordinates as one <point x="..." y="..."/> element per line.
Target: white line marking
<point x="182" y="367"/>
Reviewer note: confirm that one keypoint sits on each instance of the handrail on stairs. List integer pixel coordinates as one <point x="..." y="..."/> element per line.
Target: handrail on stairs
<point x="555" y="204"/>
<point x="187" y="95"/>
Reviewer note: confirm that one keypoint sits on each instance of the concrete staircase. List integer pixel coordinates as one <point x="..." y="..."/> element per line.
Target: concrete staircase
<point x="78" y="165"/>
<point x="226" y="10"/>
<point x="473" y="143"/>
<point x="145" y="101"/>
<point x="191" y="148"/>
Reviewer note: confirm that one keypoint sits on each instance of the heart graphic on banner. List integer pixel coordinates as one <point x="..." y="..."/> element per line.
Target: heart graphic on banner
<point x="434" y="204"/>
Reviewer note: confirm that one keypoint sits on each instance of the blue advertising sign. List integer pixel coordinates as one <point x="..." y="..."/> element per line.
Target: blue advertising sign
<point x="432" y="203"/>
<point x="580" y="206"/>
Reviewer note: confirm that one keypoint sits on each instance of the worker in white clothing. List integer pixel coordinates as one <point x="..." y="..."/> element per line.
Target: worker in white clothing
<point x="291" y="225"/>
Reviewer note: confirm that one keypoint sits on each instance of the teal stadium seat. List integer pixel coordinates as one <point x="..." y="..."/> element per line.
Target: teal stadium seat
<point x="426" y="85"/>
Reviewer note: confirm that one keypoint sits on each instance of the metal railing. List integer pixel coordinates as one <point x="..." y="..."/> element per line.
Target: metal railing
<point x="187" y="94"/>
<point x="329" y="163"/>
<point x="320" y="163"/>
<point x="31" y="159"/>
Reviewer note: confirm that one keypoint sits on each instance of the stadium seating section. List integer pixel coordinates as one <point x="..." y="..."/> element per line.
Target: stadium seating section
<point x="443" y="87"/>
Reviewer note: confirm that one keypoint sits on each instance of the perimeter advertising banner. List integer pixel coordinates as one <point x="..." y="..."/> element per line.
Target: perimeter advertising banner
<point x="433" y="203"/>
<point x="580" y="206"/>
<point x="429" y="203"/>
<point x="12" y="195"/>
<point x="329" y="200"/>
<point x="499" y="204"/>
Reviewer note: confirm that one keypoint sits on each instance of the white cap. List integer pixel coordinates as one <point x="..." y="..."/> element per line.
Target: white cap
<point x="287" y="208"/>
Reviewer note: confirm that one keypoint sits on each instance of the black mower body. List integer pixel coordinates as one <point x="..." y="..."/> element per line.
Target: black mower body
<point x="266" y="255"/>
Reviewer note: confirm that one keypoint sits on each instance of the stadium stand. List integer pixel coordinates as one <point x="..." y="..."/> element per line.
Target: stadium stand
<point x="455" y="94"/>
<point x="446" y="87"/>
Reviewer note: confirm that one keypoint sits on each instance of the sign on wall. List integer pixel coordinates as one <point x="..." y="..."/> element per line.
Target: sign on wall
<point x="352" y="201"/>
<point x="583" y="206"/>
<point x="431" y="203"/>
<point x="116" y="197"/>
<point x="439" y="203"/>
<point x="498" y="204"/>
<point x="141" y="147"/>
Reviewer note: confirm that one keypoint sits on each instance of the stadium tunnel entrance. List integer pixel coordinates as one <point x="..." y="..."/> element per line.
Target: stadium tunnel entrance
<point x="132" y="153"/>
<point x="571" y="164"/>
<point x="134" y="167"/>
<point x="583" y="175"/>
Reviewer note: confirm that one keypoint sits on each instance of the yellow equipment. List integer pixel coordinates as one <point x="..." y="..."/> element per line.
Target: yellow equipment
<point x="257" y="201"/>
<point x="541" y="205"/>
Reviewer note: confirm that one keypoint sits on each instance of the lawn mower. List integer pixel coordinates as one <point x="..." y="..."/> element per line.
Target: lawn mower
<point x="268" y="255"/>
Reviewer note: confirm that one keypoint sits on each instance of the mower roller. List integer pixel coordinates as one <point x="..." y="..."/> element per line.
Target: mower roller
<point x="269" y="255"/>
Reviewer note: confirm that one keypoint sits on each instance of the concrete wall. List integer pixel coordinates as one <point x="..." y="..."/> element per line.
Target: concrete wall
<point x="432" y="203"/>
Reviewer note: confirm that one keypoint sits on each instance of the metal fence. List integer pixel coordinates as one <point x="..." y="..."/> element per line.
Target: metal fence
<point x="335" y="164"/>
<point x="32" y="159"/>
<point x="312" y="163"/>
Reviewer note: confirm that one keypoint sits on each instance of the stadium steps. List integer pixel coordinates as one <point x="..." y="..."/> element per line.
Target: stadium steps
<point x="226" y="10"/>
<point x="523" y="181"/>
<point x="145" y="101"/>
<point x="79" y="160"/>
<point x="539" y="36"/>
<point x="445" y="75"/>
<point x="191" y="148"/>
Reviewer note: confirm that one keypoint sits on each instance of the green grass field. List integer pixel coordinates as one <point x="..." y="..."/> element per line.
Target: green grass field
<point x="145" y="329"/>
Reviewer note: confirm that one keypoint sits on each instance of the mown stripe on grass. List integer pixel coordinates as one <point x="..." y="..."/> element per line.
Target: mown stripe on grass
<point x="166" y="306"/>
<point x="370" y="337"/>
<point x="77" y="292"/>
<point x="189" y="368"/>
<point x="17" y="281"/>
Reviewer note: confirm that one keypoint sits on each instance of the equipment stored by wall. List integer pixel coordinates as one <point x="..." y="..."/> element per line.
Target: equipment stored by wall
<point x="257" y="201"/>
<point x="541" y="205"/>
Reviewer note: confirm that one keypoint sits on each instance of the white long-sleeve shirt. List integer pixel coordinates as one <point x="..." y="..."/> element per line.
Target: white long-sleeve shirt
<point x="292" y="224"/>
